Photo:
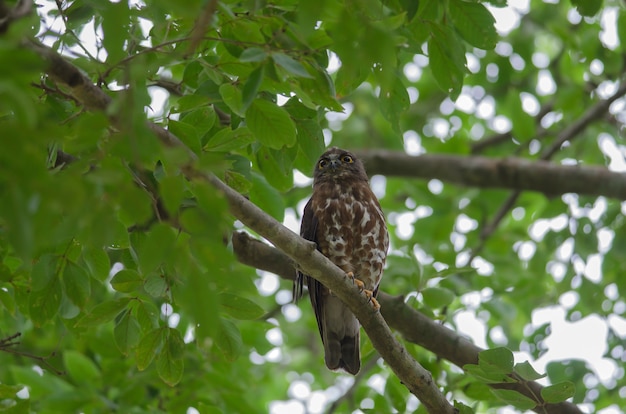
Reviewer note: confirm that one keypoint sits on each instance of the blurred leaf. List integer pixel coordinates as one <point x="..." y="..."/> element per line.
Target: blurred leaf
<point x="81" y="369"/>
<point x="558" y="392"/>
<point x="527" y="372"/>
<point x="447" y="59"/>
<point x="227" y="139"/>
<point x="251" y="87"/>
<point x="271" y="124"/>
<point x="239" y="307"/>
<point x="587" y="8"/>
<point x="77" y="284"/>
<point x="127" y="281"/>
<point x="290" y="65"/>
<point x="170" y="362"/>
<point x="103" y="312"/>
<point x="437" y="297"/>
<point x="148" y="347"/>
<point x="475" y="23"/>
<point x="127" y="333"/>
<point x="515" y="399"/>
<point x="228" y="340"/>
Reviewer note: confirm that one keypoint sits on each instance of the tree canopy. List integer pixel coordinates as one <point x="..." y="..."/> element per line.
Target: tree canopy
<point x="153" y="151"/>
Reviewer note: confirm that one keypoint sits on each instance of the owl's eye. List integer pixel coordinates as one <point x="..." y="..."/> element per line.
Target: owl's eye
<point x="347" y="159"/>
<point x="322" y="164"/>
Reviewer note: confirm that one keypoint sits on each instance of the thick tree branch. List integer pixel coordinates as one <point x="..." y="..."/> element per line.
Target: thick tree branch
<point x="417" y="379"/>
<point x="414" y="326"/>
<point x="507" y="173"/>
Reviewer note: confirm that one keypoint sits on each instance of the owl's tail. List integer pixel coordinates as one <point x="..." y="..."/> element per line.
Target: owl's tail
<point x="340" y="335"/>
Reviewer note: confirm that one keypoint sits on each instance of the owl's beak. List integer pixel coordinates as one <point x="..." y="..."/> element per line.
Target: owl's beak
<point x="334" y="164"/>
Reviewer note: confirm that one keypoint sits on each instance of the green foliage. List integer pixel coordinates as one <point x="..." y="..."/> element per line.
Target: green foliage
<point x="115" y="262"/>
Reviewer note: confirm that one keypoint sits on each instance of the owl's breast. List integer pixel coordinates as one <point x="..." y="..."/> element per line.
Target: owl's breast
<point x="352" y="234"/>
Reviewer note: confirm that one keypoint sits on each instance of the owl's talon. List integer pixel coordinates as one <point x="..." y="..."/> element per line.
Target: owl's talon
<point x="371" y="299"/>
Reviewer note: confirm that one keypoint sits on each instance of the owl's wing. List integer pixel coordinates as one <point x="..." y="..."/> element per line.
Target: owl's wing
<point x="339" y="328"/>
<point x="308" y="231"/>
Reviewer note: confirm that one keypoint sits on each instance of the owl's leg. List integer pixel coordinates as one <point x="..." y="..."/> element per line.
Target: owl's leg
<point x="368" y="293"/>
<point x="356" y="281"/>
<point x="372" y="299"/>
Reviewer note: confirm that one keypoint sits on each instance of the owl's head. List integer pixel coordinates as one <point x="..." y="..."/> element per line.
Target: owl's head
<point x="338" y="165"/>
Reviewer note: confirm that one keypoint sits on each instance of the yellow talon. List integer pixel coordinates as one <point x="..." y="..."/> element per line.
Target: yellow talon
<point x="372" y="299"/>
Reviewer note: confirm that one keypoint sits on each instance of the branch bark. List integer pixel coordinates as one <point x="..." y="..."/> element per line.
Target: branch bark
<point x="417" y="379"/>
<point x="414" y="326"/>
<point x="506" y="173"/>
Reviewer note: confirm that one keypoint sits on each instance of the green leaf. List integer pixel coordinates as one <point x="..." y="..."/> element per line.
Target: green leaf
<point x="227" y="139"/>
<point x="290" y="65"/>
<point x="396" y="393"/>
<point x="251" y="87"/>
<point x="447" y="59"/>
<point x="127" y="332"/>
<point x="267" y="197"/>
<point x="187" y="133"/>
<point x="44" y="304"/>
<point x="80" y="368"/>
<point x="253" y="54"/>
<point x="232" y="98"/>
<point x="486" y="376"/>
<point x="98" y="263"/>
<point x="103" y="312"/>
<point x="148" y="347"/>
<point x="228" y="340"/>
<point x="155" y="248"/>
<point x="527" y="372"/>
<point x="515" y="399"/>
<point x="156" y="286"/>
<point x="394" y="101"/>
<point x="77" y="284"/>
<point x="462" y="408"/>
<point x="43" y="272"/>
<point x="496" y="360"/>
<point x="8" y="301"/>
<point x="147" y="315"/>
<point x="238" y="307"/>
<point x="127" y="281"/>
<point x="587" y="8"/>
<point x="271" y="124"/>
<point x="170" y="364"/>
<point x="437" y="297"/>
<point x="475" y="23"/>
<point x="276" y="166"/>
<point x="237" y="181"/>
<point x="558" y="392"/>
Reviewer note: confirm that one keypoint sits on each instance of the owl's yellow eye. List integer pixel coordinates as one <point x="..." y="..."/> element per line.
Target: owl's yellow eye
<point x="322" y="164"/>
<point x="347" y="159"/>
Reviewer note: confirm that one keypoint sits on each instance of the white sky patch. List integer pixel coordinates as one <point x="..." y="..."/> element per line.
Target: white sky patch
<point x="413" y="143"/>
<point x="545" y="83"/>
<point x="566" y="341"/>
<point x="608" y="21"/>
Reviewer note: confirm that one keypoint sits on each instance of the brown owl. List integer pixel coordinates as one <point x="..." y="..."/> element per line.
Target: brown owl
<point x="344" y="218"/>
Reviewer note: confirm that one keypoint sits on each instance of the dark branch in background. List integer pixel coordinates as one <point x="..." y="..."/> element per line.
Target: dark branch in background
<point x="9" y="15"/>
<point x="568" y="133"/>
<point x="413" y="325"/>
<point x="6" y="345"/>
<point x="507" y="173"/>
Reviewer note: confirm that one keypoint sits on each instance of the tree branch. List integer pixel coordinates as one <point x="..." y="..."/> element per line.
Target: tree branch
<point x="507" y="173"/>
<point x="417" y="379"/>
<point x="413" y="325"/>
